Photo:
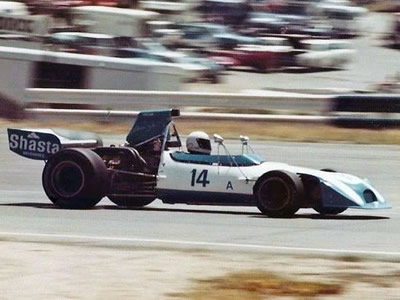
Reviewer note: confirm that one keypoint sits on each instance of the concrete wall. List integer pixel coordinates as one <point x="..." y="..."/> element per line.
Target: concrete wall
<point x="17" y="72"/>
<point x="15" y="76"/>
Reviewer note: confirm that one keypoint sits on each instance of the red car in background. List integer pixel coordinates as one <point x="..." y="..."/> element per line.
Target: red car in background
<point x="262" y="58"/>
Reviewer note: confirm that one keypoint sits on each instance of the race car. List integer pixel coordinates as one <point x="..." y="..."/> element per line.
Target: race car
<point x="152" y="163"/>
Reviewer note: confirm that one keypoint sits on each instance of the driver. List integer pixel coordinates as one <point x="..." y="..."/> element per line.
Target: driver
<point x="198" y="142"/>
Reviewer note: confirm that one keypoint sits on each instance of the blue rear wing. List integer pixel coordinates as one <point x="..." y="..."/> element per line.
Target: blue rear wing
<point x="149" y="125"/>
<point x="42" y="143"/>
<point x="33" y="144"/>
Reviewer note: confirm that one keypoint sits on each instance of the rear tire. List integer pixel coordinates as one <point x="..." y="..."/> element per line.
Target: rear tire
<point x="75" y="178"/>
<point x="279" y="193"/>
<point x="131" y="202"/>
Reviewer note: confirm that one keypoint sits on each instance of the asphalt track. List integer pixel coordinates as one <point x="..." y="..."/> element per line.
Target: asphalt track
<point x="27" y="215"/>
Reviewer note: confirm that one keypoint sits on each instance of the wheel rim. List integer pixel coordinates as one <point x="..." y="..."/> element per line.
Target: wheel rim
<point x="67" y="179"/>
<point x="274" y="194"/>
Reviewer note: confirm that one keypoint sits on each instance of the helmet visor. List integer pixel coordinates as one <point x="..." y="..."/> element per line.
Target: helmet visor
<point x="204" y="144"/>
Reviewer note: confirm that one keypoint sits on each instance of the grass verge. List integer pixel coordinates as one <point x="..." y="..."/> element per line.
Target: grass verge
<point x="256" y="285"/>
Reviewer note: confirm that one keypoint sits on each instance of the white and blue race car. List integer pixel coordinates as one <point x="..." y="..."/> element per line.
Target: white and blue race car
<point x="80" y="171"/>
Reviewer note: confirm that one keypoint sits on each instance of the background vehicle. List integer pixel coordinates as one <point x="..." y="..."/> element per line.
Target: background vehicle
<point x="194" y="67"/>
<point x="394" y="36"/>
<point x="207" y="35"/>
<point x="15" y="19"/>
<point x="13" y="8"/>
<point x="79" y="172"/>
<point x="113" y="20"/>
<point x="259" y="57"/>
<point x="82" y="42"/>
<point x="273" y="23"/>
<point x="225" y="11"/>
<point x="325" y="53"/>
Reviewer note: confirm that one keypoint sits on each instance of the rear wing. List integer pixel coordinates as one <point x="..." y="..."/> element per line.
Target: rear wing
<point x="150" y="124"/>
<point x="41" y="144"/>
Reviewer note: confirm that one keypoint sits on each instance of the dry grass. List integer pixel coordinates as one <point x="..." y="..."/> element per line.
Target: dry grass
<point x="231" y="129"/>
<point x="350" y="259"/>
<point x="256" y="285"/>
<point x="381" y="6"/>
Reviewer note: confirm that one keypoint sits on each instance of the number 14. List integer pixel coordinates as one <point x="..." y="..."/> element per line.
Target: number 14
<point x="201" y="179"/>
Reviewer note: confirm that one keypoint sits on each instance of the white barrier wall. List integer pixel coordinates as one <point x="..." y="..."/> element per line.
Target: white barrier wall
<point x="14" y="77"/>
<point x="130" y="100"/>
<point x="22" y="68"/>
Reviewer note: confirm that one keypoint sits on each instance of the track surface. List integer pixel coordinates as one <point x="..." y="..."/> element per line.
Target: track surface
<point x="26" y="214"/>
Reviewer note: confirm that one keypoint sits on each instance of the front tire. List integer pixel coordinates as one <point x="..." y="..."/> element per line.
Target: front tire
<point x="330" y="210"/>
<point x="75" y="178"/>
<point x="279" y="193"/>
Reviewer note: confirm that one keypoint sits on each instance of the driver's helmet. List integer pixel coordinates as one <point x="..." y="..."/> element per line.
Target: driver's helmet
<point x="198" y="142"/>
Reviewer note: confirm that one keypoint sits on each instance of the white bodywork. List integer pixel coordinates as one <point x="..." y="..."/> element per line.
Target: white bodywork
<point x="181" y="177"/>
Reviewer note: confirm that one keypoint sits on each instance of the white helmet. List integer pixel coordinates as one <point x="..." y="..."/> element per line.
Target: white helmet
<point x="198" y="142"/>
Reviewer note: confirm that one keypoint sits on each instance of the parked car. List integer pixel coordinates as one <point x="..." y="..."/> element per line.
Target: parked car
<point x="343" y="15"/>
<point x="194" y="68"/>
<point x="207" y="35"/>
<point x="211" y="70"/>
<point x="325" y="53"/>
<point x="82" y="42"/>
<point x="262" y="58"/>
<point x="202" y="68"/>
<point x="13" y="8"/>
<point x="394" y="35"/>
<point x="262" y="23"/>
<point x="224" y="11"/>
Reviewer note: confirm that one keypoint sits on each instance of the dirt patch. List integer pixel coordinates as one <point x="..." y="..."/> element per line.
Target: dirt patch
<point x="257" y="285"/>
<point x="44" y="270"/>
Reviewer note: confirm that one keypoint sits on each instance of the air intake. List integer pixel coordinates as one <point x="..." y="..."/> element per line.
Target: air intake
<point x="369" y="196"/>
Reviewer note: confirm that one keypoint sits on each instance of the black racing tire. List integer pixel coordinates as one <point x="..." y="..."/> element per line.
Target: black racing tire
<point x="131" y="202"/>
<point x="329" y="210"/>
<point x="279" y="194"/>
<point x="75" y="178"/>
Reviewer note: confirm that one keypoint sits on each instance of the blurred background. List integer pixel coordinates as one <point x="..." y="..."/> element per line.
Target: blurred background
<point x="250" y="46"/>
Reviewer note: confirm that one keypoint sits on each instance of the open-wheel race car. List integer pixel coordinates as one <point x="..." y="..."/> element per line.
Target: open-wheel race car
<point x="80" y="171"/>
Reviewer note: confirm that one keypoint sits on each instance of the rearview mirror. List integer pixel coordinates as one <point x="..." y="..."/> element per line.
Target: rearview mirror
<point x="218" y="139"/>
<point x="244" y="139"/>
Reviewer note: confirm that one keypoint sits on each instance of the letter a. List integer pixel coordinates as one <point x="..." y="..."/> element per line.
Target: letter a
<point x="229" y="186"/>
